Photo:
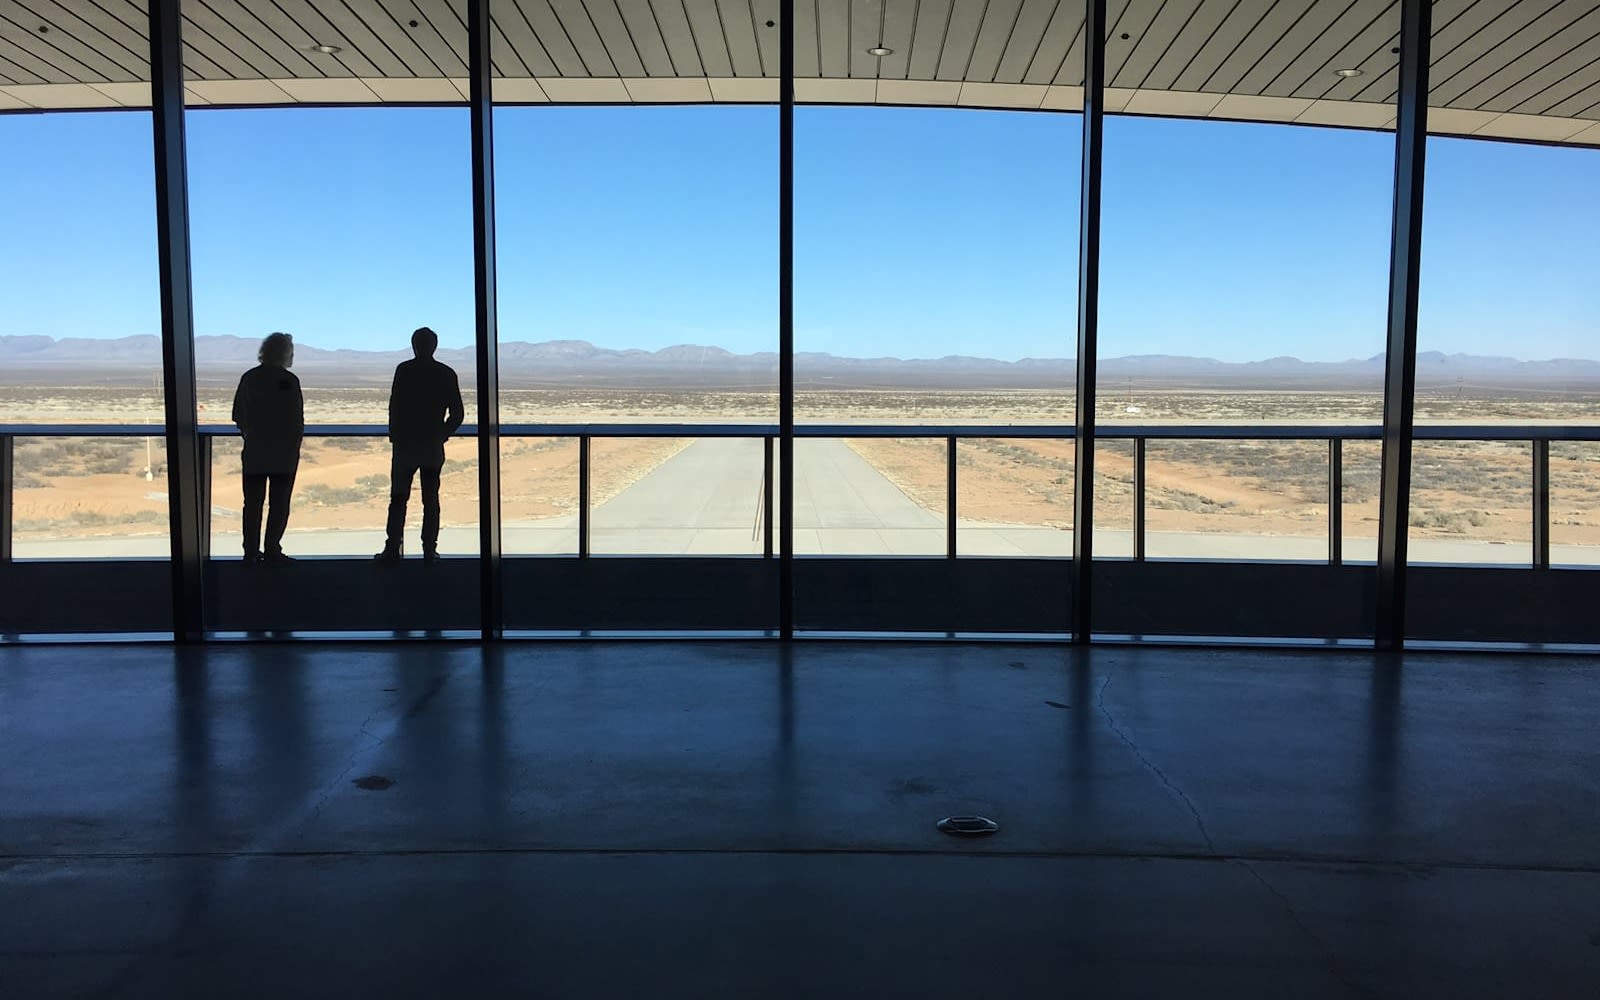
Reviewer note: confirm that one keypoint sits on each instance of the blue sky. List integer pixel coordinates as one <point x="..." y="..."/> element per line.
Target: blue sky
<point x="919" y="232"/>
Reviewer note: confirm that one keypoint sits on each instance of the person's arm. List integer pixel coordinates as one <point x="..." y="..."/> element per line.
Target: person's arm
<point x="241" y="408"/>
<point x="458" y="412"/>
<point x="394" y="391"/>
<point x="299" y="412"/>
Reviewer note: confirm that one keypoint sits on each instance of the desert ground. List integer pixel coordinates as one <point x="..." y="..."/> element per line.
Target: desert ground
<point x="1468" y="491"/>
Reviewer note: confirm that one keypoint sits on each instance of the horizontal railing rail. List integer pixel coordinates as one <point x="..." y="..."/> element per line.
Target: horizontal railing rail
<point x="1538" y="436"/>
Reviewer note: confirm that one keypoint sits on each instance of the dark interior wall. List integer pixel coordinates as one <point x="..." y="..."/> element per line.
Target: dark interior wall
<point x="1156" y="597"/>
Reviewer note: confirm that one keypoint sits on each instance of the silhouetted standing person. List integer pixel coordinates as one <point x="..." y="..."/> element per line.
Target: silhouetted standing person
<point x="270" y="412"/>
<point x="424" y="410"/>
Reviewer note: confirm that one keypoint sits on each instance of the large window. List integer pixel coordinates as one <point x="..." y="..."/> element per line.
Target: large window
<point x="1508" y="337"/>
<point x="935" y="278"/>
<point x="80" y="336"/>
<point x="1244" y="269"/>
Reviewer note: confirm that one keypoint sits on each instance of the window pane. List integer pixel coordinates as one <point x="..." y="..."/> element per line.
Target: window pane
<point x="80" y="333"/>
<point x="1014" y="497"/>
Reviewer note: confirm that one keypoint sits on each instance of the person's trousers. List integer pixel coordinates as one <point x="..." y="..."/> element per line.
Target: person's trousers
<point x="258" y="486"/>
<point x="401" y="472"/>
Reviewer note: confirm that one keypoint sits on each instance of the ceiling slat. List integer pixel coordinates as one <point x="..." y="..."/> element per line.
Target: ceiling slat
<point x="1263" y="34"/>
<point x="767" y="36"/>
<point x="833" y="38"/>
<point x="1361" y="39"/>
<point x="274" y="32"/>
<point x="552" y="37"/>
<point x="59" y="49"/>
<point x="1582" y="104"/>
<point x="390" y="23"/>
<point x="706" y="23"/>
<point x="592" y="49"/>
<point x="1317" y="21"/>
<point x="48" y="67"/>
<point x="439" y="33"/>
<point x="363" y="38"/>
<point x="646" y="35"/>
<point x="227" y="37"/>
<point x="1175" y="17"/>
<point x="899" y="16"/>
<point x="103" y="34"/>
<point x="1213" y="17"/>
<point x="1465" y="64"/>
<point x="131" y="36"/>
<point x="1543" y="66"/>
<point x="1135" y="19"/>
<point x="675" y="31"/>
<point x="11" y="73"/>
<point x="994" y="34"/>
<point x="865" y="18"/>
<point x="741" y="31"/>
<point x="966" y="16"/>
<point x="349" y="61"/>
<point x="514" y="48"/>
<point x="1033" y="22"/>
<point x="927" y="42"/>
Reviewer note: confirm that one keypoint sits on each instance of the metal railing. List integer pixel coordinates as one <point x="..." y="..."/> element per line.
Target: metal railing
<point x="1539" y="437"/>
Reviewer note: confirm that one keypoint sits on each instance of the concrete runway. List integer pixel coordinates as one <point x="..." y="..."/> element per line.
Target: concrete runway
<point x="706" y="501"/>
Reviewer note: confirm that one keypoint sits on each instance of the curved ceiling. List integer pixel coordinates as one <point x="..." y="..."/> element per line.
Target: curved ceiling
<point x="1525" y="69"/>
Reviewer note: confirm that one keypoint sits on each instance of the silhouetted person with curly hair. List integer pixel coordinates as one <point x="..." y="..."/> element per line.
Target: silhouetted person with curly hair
<point x="270" y="412"/>
<point x="424" y="410"/>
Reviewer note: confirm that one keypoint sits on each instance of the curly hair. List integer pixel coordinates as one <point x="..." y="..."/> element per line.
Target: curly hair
<point x="275" y="349"/>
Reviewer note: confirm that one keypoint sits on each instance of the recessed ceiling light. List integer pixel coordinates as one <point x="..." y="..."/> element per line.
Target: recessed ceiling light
<point x="1347" y="73"/>
<point x="879" y="50"/>
<point x="326" y="50"/>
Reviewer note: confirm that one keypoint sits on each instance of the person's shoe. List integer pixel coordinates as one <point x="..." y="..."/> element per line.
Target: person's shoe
<point x="277" y="558"/>
<point x="390" y="555"/>
<point x="252" y="558"/>
<point x="430" y="553"/>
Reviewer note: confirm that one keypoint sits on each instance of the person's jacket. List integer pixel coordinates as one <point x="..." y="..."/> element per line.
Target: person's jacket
<point x="425" y="408"/>
<point x="270" y="412"/>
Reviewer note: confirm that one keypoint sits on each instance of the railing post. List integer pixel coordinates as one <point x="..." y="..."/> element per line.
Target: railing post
<point x="1541" y="503"/>
<point x="1335" y="501"/>
<point x="950" y="498"/>
<point x="207" y="476"/>
<point x="583" y="496"/>
<point x="1138" y="499"/>
<point x="7" y="493"/>
<point x="766" y="497"/>
<point x="1094" y="80"/>
<point x="1400" y="357"/>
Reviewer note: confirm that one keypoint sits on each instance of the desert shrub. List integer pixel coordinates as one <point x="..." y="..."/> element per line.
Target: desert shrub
<point x="324" y="495"/>
<point x="373" y="483"/>
<point x="351" y="443"/>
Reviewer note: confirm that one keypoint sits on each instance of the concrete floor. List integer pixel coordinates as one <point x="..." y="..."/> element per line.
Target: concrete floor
<point x="730" y="819"/>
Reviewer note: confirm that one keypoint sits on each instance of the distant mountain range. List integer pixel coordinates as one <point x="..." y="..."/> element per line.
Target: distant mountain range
<point x="129" y="361"/>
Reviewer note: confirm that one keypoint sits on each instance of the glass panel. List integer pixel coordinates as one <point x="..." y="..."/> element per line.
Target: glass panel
<point x="637" y="288"/>
<point x="80" y="333"/>
<point x="90" y="497"/>
<point x="1260" y="500"/>
<point x="1471" y="502"/>
<point x="1574" y="503"/>
<point x="677" y="496"/>
<point x="870" y="496"/>
<point x="1506" y="335"/>
<point x="539" y="496"/>
<point x="1363" y="472"/>
<point x="1014" y="497"/>
<point x="341" y="499"/>
<point x="1113" y="499"/>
